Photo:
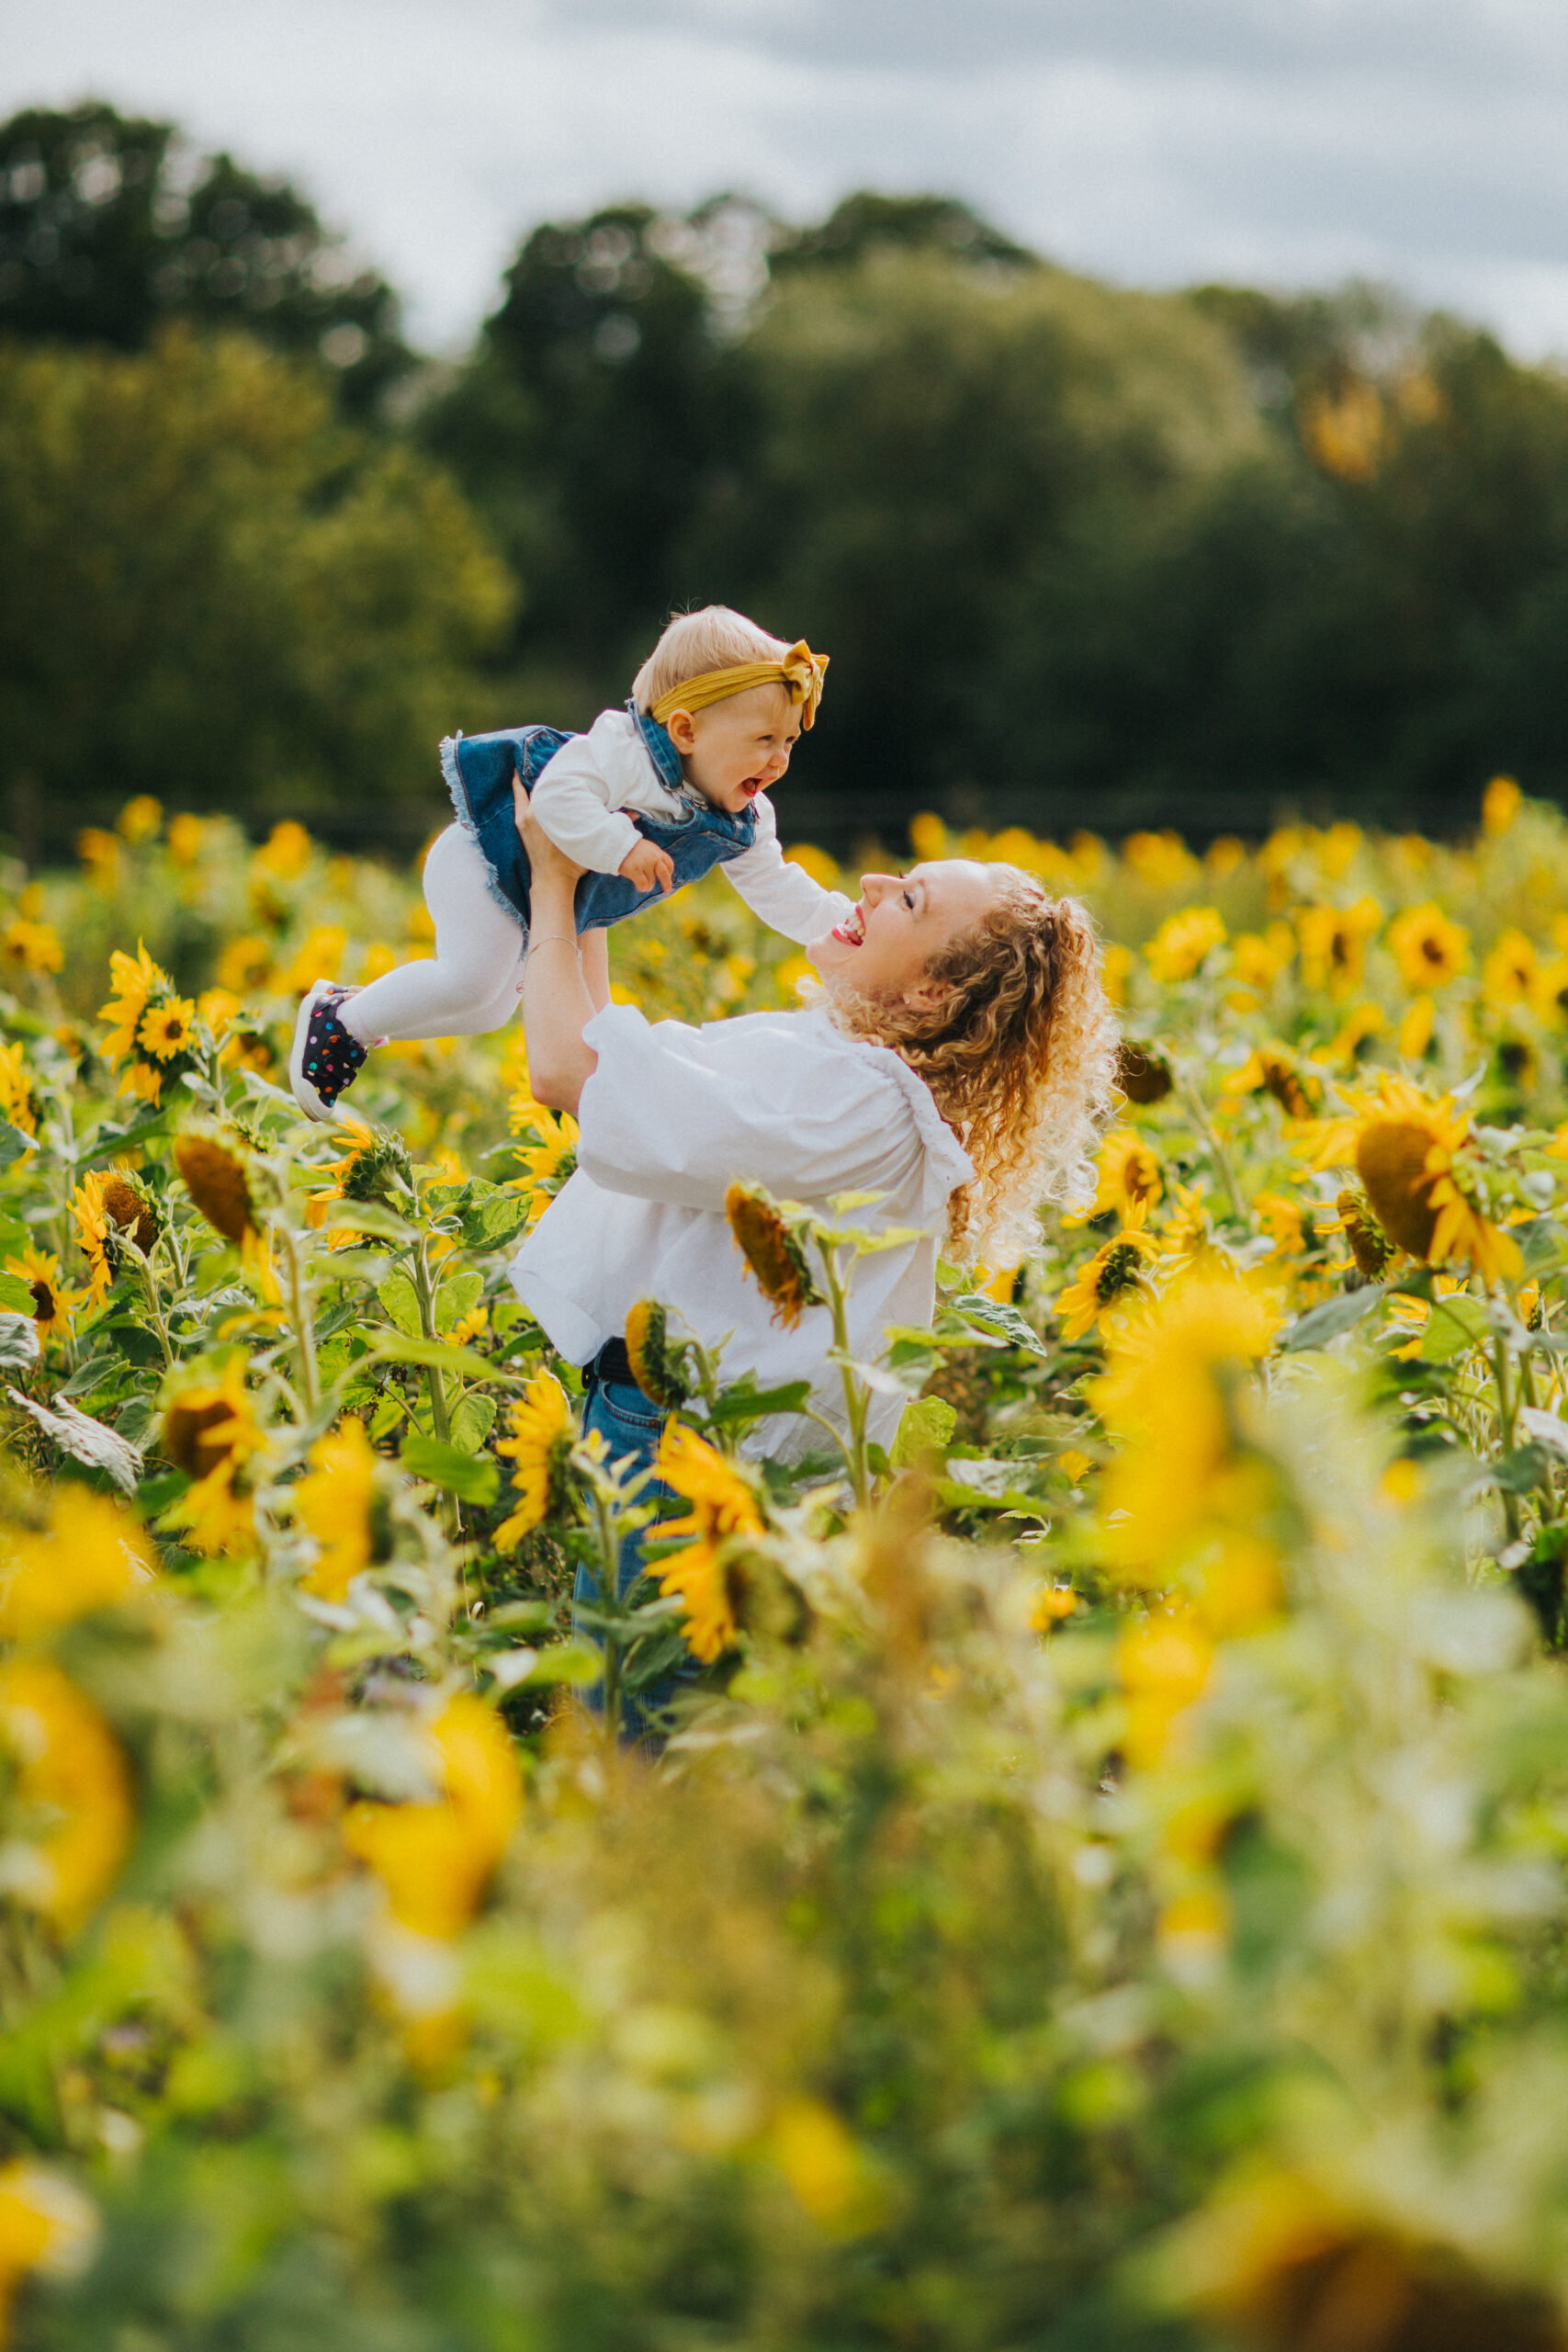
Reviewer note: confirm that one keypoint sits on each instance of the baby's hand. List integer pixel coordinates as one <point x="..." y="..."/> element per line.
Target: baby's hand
<point x="648" y="867"/>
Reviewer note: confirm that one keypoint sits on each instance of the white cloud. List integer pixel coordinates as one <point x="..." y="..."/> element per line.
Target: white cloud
<point x="1158" y="140"/>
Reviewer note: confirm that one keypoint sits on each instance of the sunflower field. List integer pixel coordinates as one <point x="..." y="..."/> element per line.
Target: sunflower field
<point x="1107" y="1884"/>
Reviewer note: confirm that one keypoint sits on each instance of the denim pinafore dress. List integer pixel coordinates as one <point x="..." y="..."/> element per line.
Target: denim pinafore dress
<point x="479" y="769"/>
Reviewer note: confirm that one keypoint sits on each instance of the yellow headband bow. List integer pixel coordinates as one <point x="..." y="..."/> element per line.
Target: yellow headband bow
<point x="799" y="673"/>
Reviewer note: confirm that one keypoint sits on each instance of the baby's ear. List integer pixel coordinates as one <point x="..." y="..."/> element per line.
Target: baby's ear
<point x="681" y="730"/>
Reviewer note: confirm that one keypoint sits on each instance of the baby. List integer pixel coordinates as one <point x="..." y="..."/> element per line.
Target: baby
<point x="652" y="796"/>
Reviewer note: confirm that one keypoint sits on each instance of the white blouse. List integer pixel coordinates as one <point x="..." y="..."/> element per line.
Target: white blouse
<point x="670" y="1119"/>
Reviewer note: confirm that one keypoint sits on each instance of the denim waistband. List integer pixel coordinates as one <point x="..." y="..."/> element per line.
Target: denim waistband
<point x="612" y="1363"/>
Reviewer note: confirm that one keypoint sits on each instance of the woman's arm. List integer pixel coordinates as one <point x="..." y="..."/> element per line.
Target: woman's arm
<point x="593" y="956"/>
<point x="557" y="1006"/>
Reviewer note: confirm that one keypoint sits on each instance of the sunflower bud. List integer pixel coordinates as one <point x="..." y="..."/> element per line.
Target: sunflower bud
<point x="132" y="1206"/>
<point x="658" y="1369"/>
<point x="1391" y="1159"/>
<point x="773" y="1253"/>
<point x="1142" y="1076"/>
<point x="1370" y="1245"/>
<point x="216" y="1180"/>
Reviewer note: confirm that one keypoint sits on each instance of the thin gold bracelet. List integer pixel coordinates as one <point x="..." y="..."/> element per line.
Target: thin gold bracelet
<point x="550" y="939"/>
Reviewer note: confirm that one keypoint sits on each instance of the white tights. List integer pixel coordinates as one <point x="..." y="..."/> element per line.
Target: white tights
<point x="475" y="978"/>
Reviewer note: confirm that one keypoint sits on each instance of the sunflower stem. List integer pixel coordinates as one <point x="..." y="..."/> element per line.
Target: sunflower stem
<point x="300" y="1316"/>
<point x="610" y="1595"/>
<point x="1190" y="1095"/>
<point x="1508" y="1407"/>
<point x="434" y="1380"/>
<point x="857" y="1396"/>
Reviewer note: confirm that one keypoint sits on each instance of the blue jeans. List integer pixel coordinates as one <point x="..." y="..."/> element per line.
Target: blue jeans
<point x="479" y="770"/>
<point x="630" y="1425"/>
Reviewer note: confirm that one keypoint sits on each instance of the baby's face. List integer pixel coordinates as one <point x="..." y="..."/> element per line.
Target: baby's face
<point x="736" y="748"/>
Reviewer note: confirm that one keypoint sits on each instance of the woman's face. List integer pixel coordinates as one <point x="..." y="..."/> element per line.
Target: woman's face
<point x="883" y="947"/>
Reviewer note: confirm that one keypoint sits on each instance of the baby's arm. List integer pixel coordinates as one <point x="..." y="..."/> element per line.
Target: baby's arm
<point x="783" y="896"/>
<point x="573" y="801"/>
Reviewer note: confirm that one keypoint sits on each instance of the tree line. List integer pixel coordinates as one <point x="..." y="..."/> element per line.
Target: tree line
<point x="1080" y="555"/>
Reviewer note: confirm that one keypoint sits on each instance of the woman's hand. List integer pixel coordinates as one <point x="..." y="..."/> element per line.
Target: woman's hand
<point x="550" y="868"/>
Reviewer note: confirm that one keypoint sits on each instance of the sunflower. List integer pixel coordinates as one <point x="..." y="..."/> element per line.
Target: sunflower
<point x="1168" y="1393"/>
<point x="210" y="1431"/>
<point x="542" y="1433"/>
<point x="724" y="1508"/>
<point x="1183" y="941"/>
<point x="139" y="818"/>
<point x="1508" y="973"/>
<point x="550" y="1157"/>
<point x="1500" y="805"/>
<point x="1284" y="1221"/>
<point x="1117" y="1272"/>
<point x="434" y="1859"/>
<point x="1428" y="948"/>
<point x="334" y="1501"/>
<point x="1258" y="959"/>
<point x="1130" y="1175"/>
<point x="165" y="1029"/>
<point x="90" y="1556"/>
<point x="216" y="1179"/>
<point x="246" y="965"/>
<point x="186" y="836"/>
<point x="1142" y="1076"/>
<point x="1275" y="1069"/>
<point x="1334" y="943"/>
<point x="286" y="852"/>
<point x="1359" y="1024"/>
<point x="69" y="1776"/>
<point x="134" y="979"/>
<point x="53" y="1303"/>
<point x="374" y="1168"/>
<point x="1406" y="1151"/>
<point x="1414" y="1031"/>
<point x="17" y="1102"/>
<point x="658" y="1369"/>
<point x="773" y="1251"/>
<point x="32" y="946"/>
<point x="111" y="1207"/>
<point x="1369" y="1244"/>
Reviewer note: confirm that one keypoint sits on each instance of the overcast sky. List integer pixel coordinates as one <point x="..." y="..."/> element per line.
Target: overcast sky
<point x="1158" y="142"/>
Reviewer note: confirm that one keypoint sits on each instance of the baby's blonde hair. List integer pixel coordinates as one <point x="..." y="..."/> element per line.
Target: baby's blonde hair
<point x="712" y="639"/>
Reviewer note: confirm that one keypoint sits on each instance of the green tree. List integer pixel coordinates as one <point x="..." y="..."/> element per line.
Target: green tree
<point x="930" y="437"/>
<point x="217" y="591"/>
<point x="603" y="420"/>
<point x="1369" y="617"/>
<point x="866" y="223"/>
<point x="111" y="224"/>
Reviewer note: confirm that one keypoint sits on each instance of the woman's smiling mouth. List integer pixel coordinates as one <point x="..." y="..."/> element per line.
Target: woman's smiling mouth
<point x="852" y="931"/>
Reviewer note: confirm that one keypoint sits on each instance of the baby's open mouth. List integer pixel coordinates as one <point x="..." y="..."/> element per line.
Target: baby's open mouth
<point x="852" y="931"/>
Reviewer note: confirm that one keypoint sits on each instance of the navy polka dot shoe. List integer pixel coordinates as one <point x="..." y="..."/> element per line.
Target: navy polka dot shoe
<point x="325" y="1058"/>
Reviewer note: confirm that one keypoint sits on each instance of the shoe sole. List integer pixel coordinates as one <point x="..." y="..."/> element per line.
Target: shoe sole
<point x="304" y="1093"/>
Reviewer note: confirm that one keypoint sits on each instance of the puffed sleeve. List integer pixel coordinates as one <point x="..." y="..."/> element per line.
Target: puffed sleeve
<point x="679" y="1114"/>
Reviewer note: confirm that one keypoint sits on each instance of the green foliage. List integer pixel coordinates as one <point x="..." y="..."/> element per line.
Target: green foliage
<point x="110" y="227"/>
<point x="601" y="420"/>
<point x="216" y="590"/>
<point x="1108" y="1890"/>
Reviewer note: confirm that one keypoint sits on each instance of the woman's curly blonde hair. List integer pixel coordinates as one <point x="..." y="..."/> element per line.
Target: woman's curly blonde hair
<point x="1018" y="1048"/>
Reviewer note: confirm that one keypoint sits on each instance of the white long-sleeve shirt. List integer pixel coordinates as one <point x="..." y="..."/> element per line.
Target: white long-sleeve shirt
<point x="583" y="792"/>
<point x="670" y="1119"/>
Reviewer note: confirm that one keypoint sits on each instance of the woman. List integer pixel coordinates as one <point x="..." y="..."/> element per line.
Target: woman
<point x="959" y="1063"/>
